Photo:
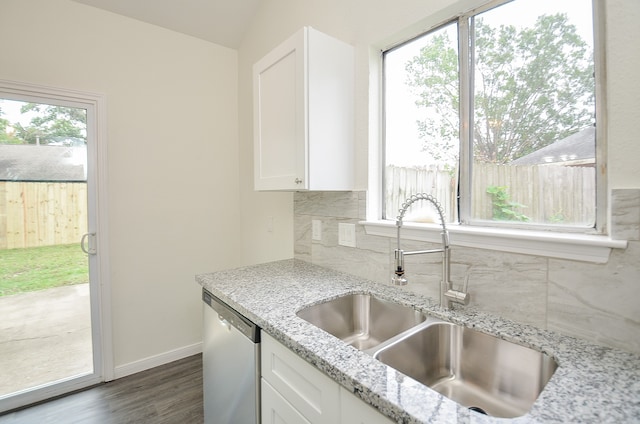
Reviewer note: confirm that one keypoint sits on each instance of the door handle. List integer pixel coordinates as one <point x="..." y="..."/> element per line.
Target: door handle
<point x="87" y="243"/>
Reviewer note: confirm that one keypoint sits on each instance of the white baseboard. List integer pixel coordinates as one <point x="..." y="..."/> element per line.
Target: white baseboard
<point x="156" y="360"/>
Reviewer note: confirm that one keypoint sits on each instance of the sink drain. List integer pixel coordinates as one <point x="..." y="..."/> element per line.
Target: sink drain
<point x="478" y="409"/>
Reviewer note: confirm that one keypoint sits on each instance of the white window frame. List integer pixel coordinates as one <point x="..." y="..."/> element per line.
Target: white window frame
<point x="594" y="247"/>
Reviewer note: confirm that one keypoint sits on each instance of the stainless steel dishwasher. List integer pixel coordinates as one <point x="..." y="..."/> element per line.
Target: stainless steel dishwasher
<point x="231" y="365"/>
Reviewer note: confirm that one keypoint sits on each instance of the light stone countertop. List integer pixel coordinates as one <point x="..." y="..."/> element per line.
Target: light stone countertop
<point x="593" y="384"/>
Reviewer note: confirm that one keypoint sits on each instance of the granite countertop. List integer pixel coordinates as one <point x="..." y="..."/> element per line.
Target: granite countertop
<point x="593" y="384"/>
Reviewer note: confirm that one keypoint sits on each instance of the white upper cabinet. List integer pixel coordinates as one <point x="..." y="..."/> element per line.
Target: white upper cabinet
<point x="303" y="114"/>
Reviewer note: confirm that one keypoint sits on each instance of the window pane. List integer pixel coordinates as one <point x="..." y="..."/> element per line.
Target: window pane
<point x="422" y="124"/>
<point x="42" y="142"/>
<point x="534" y="113"/>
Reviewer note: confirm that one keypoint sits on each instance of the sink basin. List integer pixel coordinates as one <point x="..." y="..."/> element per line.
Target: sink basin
<point x="479" y="371"/>
<point x="362" y="320"/>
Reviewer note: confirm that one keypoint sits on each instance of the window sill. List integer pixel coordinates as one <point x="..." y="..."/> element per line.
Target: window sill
<point x="579" y="247"/>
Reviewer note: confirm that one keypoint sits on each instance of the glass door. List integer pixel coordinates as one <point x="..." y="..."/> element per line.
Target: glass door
<point x="49" y="332"/>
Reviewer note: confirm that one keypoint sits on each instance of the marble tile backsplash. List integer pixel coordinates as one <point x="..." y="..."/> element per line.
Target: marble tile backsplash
<point x="597" y="302"/>
<point x="625" y="217"/>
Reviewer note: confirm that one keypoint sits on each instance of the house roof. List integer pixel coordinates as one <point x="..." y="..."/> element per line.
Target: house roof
<point x="42" y="163"/>
<point x="577" y="149"/>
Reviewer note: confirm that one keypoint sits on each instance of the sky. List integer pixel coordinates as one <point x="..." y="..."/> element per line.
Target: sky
<point x="11" y="112"/>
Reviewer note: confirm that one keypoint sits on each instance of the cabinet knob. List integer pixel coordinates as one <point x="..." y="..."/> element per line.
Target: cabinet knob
<point x="298" y="181"/>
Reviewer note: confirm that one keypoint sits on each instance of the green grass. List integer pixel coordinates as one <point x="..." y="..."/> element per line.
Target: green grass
<point x="39" y="268"/>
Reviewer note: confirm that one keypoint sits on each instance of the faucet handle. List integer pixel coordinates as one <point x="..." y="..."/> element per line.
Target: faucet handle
<point x="459" y="296"/>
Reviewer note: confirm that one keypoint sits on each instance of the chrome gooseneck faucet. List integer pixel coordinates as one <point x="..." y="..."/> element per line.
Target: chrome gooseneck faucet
<point x="447" y="293"/>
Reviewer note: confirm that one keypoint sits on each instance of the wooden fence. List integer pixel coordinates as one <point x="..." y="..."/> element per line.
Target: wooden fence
<point x="550" y="194"/>
<point x="42" y="213"/>
<point x="400" y="183"/>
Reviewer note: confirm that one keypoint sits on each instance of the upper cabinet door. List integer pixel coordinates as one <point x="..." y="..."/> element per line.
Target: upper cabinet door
<point x="303" y="115"/>
<point x="279" y="113"/>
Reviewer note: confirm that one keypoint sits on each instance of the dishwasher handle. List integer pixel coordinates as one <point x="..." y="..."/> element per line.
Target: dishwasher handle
<point x="232" y="317"/>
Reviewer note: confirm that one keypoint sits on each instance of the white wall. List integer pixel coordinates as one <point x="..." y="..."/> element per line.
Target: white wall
<point x="581" y="299"/>
<point x="176" y="125"/>
<point x="172" y="155"/>
<point x="373" y="24"/>
<point x="623" y="92"/>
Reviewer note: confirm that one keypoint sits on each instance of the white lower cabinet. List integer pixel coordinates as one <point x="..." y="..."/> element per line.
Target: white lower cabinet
<point x="311" y="393"/>
<point x="276" y="409"/>
<point x="355" y="411"/>
<point x="294" y="392"/>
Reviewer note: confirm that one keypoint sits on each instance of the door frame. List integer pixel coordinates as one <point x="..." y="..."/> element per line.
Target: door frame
<point x="97" y="196"/>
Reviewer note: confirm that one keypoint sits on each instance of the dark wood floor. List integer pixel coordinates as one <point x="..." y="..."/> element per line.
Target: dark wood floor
<point x="168" y="394"/>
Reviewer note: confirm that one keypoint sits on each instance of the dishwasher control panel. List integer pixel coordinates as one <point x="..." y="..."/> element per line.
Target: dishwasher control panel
<point x="228" y="315"/>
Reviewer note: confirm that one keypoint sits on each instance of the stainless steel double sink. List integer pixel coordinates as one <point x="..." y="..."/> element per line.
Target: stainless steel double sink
<point x="477" y="370"/>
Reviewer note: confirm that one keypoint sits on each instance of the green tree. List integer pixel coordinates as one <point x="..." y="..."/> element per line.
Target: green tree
<point x="52" y="121"/>
<point x="505" y="209"/>
<point x="3" y="129"/>
<point x="533" y="86"/>
<point x="6" y="134"/>
<point x="434" y="76"/>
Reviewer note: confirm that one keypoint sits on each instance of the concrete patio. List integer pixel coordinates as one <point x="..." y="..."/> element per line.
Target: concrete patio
<point x="44" y="336"/>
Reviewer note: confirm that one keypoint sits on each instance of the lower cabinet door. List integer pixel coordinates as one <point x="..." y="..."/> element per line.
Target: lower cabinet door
<point x="355" y="411"/>
<point x="294" y="392"/>
<point x="307" y="389"/>
<point x="275" y="408"/>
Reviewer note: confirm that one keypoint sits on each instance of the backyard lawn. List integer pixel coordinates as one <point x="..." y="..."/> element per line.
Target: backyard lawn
<point x="39" y="268"/>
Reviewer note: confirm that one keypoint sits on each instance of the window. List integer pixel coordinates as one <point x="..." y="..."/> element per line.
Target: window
<point x="493" y="113"/>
